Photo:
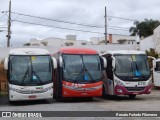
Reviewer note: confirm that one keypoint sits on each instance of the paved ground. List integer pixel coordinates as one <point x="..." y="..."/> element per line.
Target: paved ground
<point x="149" y="102"/>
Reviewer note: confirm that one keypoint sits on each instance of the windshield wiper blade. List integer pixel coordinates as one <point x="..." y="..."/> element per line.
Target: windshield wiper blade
<point x="76" y="79"/>
<point x="89" y="75"/>
<point x="25" y="75"/>
<point x="37" y="77"/>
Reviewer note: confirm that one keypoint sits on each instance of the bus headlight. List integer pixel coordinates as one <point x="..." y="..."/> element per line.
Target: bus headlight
<point x="150" y="82"/>
<point x="119" y="83"/>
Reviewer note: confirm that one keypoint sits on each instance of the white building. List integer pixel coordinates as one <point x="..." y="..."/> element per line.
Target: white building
<point x="147" y="43"/>
<point x="152" y="41"/>
<point x="156" y="39"/>
<point x="114" y="39"/>
<point x="69" y="41"/>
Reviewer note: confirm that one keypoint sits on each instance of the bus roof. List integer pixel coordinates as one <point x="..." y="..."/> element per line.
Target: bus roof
<point x="124" y="52"/>
<point x="77" y="51"/>
<point x="158" y="60"/>
<point x="29" y="51"/>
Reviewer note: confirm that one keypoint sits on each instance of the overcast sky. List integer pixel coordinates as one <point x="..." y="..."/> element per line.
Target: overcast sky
<point x="90" y="12"/>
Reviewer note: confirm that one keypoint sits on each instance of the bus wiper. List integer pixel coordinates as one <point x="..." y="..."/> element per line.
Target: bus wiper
<point x="37" y="77"/>
<point x="25" y="75"/>
<point x="137" y="72"/>
<point x="89" y="75"/>
<point x="76" y="79"/>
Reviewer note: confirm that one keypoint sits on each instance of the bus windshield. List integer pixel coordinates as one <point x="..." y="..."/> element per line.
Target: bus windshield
<point x="132" y="66"/>
<point x="30" y="70"/>
<point x="81" y="68"/>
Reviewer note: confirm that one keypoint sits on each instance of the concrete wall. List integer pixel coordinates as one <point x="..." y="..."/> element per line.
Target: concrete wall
<point x="115" y="38"/>
<point x="147" y="43"/>
<point x="156" y="37"/>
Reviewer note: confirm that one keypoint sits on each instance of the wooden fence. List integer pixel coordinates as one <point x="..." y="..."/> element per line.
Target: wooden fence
<point x="3" y="86"/>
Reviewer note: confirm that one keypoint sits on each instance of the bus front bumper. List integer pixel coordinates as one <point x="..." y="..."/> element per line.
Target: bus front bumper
<point x="14" y="96"/>
<point x="122" y="90"/>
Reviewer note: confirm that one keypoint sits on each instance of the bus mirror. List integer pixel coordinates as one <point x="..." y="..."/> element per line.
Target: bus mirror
<point x="60" y="61"/>
<point x="6" y="63"/>
<point x="113" y="62"/>
<point x="104" y="62"/>
<point x="153" y="61"/>
<point x="154" y="64"/>
<point x="54" y="63"/>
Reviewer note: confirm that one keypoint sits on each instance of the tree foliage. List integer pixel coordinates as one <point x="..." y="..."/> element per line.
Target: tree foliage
<point x="152" y="53"/>
<point x="144" y="28"/>
<point x="27" y="44"/>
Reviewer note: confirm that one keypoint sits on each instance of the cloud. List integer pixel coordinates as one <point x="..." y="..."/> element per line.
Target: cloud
<point x="79" y="11"/>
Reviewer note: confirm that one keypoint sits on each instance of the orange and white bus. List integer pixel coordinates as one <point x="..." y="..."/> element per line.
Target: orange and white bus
<point x="78" y="73"/>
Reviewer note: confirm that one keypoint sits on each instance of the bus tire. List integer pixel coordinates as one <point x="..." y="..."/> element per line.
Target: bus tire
<point x="103" y="92"/>
<point x="10" y="102"/>
<point x="132" y="96"/>
<point x="59" y="99"/>
<point x="90" y="98"/>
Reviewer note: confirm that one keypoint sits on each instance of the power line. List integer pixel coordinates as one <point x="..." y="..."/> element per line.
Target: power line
<point x="97" y="26"/>
<point x="58" y="20"/>
<point x="122" y="18"/>
<point x="55" y="20"/>
<point x="57" y="27"/>
<point x="65" y="28"/>
<point x="117" y="29"/>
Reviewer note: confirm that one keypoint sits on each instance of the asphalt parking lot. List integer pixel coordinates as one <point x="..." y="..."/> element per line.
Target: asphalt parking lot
<point x="149" y="102"/>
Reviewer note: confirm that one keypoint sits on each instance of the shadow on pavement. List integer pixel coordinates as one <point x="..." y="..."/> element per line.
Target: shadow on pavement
<point x="121" y="98"/>
<point x="4" y="102"/>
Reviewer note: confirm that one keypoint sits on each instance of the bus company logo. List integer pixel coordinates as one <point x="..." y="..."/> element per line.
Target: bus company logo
<point x="6" y="114"/>
<point x="22" y="88"/>
<point x="84" y="89"/>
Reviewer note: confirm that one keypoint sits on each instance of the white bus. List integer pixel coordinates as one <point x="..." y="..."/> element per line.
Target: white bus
<point x="127" y="73"/>
<point x="29" y="73"/>
<point x="156" y="73"/>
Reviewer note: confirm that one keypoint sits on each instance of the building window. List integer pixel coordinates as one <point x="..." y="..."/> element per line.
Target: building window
<point x="128" y="42"/>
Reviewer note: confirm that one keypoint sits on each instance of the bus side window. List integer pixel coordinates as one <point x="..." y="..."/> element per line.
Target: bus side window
<point x="157" y="66"/>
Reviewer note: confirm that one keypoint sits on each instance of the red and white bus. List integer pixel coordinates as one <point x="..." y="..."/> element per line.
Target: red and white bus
<point x="127" y="73"/>
<point x="78" y="73"/>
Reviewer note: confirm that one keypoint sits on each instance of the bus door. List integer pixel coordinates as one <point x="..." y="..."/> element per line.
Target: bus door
<point x="109" y="72"/>
<point x="156" y="74"/>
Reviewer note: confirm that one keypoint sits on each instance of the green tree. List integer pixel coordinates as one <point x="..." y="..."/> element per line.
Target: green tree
<point x="27" y="44"/>
<point x="152" y="53"/>
<point x="144" y="28"/>
<point x="44" y="43"/>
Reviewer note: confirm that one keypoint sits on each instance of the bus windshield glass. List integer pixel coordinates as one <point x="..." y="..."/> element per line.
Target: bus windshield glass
<point x="30" y="70"/>
<point x="132" y="66"/>
<point x="81" y="68"/>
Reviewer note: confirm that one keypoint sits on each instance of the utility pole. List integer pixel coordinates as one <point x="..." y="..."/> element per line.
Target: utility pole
<point x="9" y="26"/>
<point x="105" y="34"/>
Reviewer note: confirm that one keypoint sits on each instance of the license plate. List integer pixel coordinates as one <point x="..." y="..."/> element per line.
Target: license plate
<point x="141" y="83"/>
<point x="32" y="96"/>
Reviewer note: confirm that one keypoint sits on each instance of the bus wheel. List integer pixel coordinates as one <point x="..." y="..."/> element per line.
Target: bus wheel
<point x="132" y="96"/>
<point x="59" y="99"/>
<point x="103" y="92"/>
<point x="10" y="102"/>
<point x="90" y="98"/>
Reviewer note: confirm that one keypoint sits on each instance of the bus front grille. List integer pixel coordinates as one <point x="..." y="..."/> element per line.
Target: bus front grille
<point x="135" y="88"/>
